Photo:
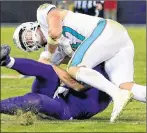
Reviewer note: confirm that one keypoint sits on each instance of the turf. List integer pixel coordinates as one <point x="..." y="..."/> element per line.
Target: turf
<point x="133" y="118"/>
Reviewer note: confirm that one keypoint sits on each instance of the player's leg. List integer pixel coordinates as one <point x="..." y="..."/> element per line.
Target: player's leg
<point x="98" y="48"/>
<point x="121" y="71"/>
<point x="36" y="103"/>
<point x="93" y="51"/>
<point x="97" y="100"/>
<point x="102" y="49"/>
<point x="46" y="79"/>
<point x="25" y="66"/>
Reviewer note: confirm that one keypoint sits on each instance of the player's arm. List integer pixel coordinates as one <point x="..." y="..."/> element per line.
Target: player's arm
<point x="64" y="49"/>
<point x="54" y="21"/>
<point x="67" y="80"/>
<point x="62" y="55"/>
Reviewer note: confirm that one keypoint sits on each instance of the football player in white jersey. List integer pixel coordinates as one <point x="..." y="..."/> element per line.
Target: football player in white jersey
<point x="95" y="40"/>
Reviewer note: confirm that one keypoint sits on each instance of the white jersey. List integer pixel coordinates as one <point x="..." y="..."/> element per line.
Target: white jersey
<point x="102" y="41"/>
<point x="76" y="26"/>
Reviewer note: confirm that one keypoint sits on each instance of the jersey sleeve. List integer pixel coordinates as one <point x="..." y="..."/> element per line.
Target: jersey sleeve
<point x="58" y="56"/>
<point x="42" y="12"/>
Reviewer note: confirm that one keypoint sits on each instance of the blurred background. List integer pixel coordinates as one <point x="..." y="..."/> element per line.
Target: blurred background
<point x="126" y="12"/>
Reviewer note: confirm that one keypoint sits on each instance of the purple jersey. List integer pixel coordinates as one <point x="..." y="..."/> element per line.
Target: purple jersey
<point x="78" y="105"/>
<point x="89" y="102"/>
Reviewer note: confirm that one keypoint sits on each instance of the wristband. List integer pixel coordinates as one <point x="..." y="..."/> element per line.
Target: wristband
<point x="52" y="41"/>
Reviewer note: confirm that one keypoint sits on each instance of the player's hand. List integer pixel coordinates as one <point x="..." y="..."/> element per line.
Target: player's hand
<point x="52" y="41"/>
<point x="68" y="80"/>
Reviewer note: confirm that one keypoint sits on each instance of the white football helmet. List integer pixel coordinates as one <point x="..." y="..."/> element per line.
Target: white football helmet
<point x="26" y="37"/>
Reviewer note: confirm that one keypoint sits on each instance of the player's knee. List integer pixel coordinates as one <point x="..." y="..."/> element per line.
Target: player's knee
<point x="32" y="102"/>
<point x="73" y="71"/>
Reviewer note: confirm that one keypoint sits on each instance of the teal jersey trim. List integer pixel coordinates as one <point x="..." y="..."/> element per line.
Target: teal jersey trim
<point x="75" y="34"/>
<point x="78" y="56"/>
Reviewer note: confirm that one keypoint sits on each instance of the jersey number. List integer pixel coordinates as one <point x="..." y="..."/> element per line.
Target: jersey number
<point x="75" y="34"/>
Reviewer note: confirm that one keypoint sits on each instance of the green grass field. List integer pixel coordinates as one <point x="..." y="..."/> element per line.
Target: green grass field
<point x="133" y="119"/>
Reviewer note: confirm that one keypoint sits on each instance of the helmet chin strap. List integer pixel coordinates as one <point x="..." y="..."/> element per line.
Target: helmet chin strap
<point x="43" y="40"/>
<point x="38" y="39"/>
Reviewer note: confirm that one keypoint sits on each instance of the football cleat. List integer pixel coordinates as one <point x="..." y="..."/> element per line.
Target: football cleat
<point x="120" y="103"/>
<point x="5" y="51"/>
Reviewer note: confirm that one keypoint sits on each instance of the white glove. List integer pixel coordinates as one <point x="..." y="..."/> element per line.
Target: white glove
<point x="46" y="55"/>
<point x="60" y="90"/>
